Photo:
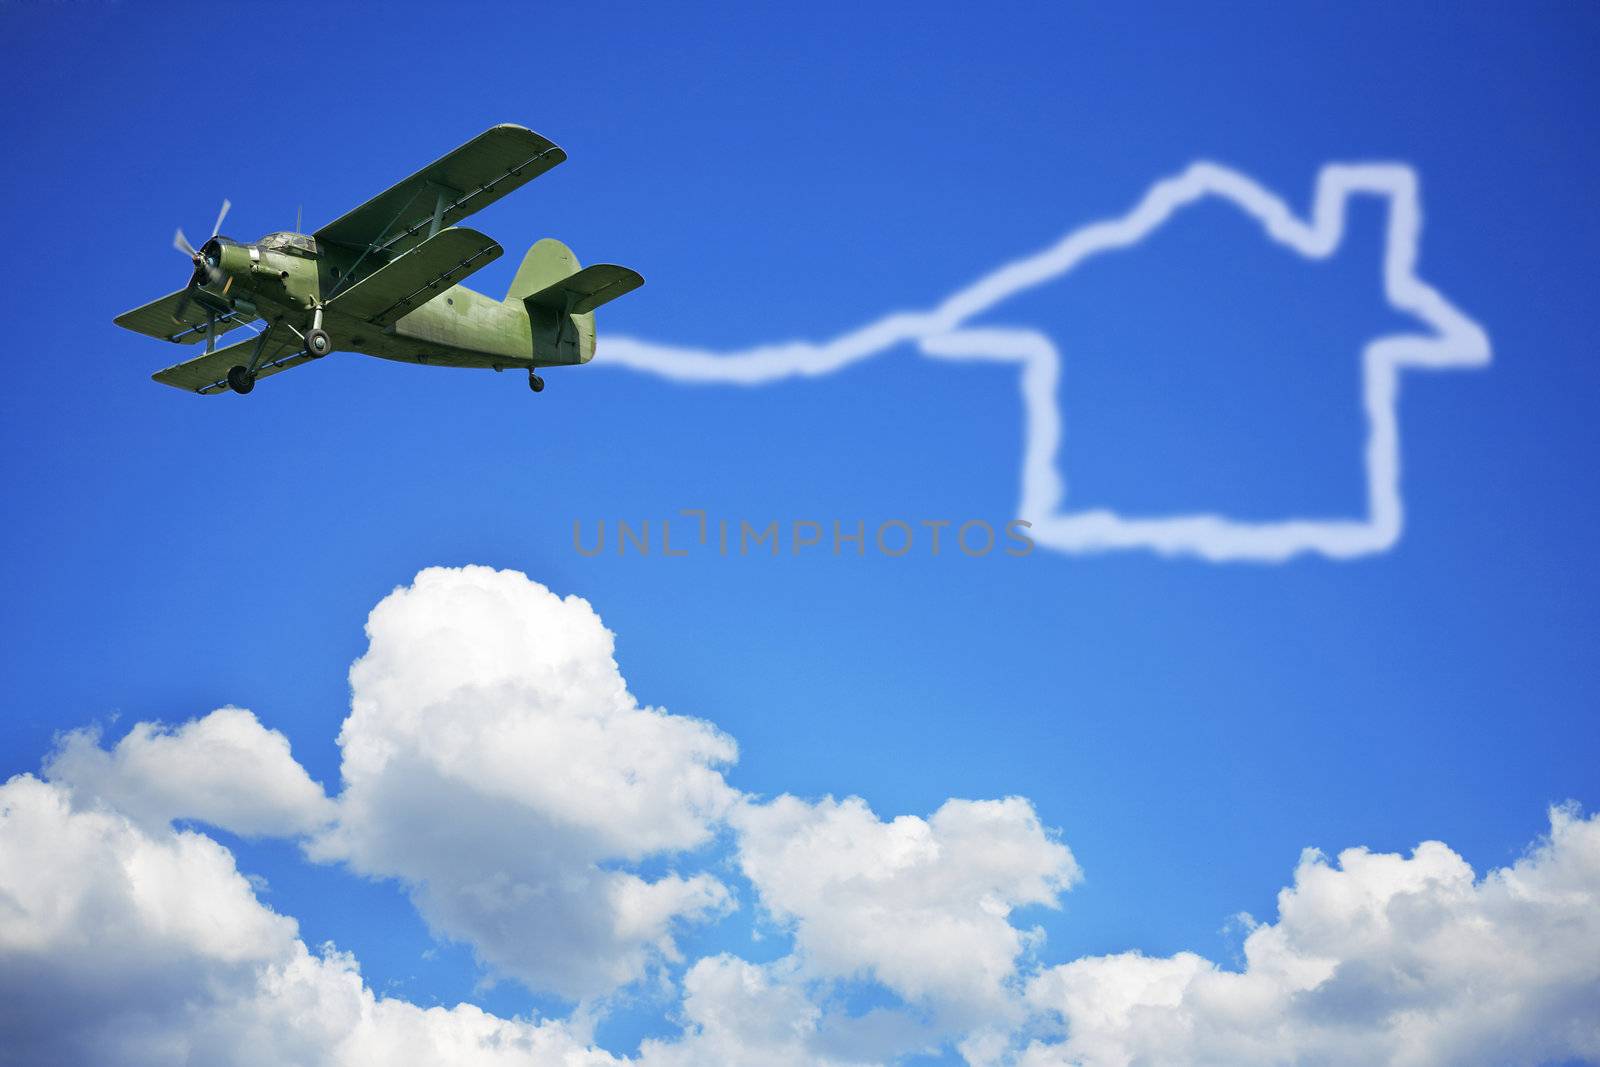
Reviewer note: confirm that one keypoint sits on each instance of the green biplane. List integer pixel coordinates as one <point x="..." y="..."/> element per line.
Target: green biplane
<point x="385" y="280"/>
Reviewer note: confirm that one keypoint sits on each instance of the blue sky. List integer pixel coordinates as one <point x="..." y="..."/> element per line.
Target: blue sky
<point x="790" y="174"/>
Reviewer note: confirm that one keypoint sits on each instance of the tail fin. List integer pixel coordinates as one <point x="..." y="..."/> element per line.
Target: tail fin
<point x="561" y="298"/>
<point x="546" y="263"/>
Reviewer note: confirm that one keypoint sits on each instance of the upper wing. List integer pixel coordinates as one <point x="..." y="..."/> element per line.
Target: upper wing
<point x="208" y="375"/>
<point x="160" y="318"/>
<point x="469" y="179"/>
<point x="418" y="276"/>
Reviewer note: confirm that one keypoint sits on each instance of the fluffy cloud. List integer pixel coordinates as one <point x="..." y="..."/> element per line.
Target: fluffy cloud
<point x="741" y="1014"/>
<point x="737" y="1013"/>
<point x="147" y="947"/>
<point x="921" y="905"/>
<point x="1377" y="958"/>
<point x="495" y="762"/>
<point x="225" y="769"/>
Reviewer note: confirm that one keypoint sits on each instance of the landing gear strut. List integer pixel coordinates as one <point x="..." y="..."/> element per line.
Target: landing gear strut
<point x="240" y="380"/>
<point x="318" y="343"/>
<point x="535" y="382"/>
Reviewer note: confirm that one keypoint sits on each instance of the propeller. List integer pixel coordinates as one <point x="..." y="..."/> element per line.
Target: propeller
<point x="207" y="267"/>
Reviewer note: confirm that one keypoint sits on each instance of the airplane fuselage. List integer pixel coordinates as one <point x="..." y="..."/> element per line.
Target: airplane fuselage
<point x="284" y="276"/>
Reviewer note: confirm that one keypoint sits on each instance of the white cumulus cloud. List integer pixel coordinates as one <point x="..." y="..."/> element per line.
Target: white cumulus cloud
<point x="921" y="905"/>
<point x="495" y="762"/>
<point x="1378" y="958"/>
<point x="225" y="769"/>
<point x="147" y="948"/>
<point x="737" y="1013"/>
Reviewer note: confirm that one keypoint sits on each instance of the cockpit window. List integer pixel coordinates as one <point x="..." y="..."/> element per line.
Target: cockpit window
<point x="289" y="242"/>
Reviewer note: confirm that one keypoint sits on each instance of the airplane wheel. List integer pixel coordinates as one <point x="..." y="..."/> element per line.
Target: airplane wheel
<point x="318" y="343"/>
<point x="241" y="381"/>
<point x="535" y="382"/>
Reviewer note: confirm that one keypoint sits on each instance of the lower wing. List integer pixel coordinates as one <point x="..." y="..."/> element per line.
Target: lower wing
<point x="208" y="374"/>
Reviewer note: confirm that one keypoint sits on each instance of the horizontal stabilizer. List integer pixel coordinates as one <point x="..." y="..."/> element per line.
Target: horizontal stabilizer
<point x="581" y="293"/>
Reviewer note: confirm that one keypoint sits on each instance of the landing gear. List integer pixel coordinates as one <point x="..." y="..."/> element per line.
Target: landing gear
<point x="317" y="341"/>
<point x="240" y="380"/>
<point x="535" y="382"/>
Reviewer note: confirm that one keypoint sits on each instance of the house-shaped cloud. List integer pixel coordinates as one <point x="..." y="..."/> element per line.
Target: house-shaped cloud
<point x="1452" y="340"/>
